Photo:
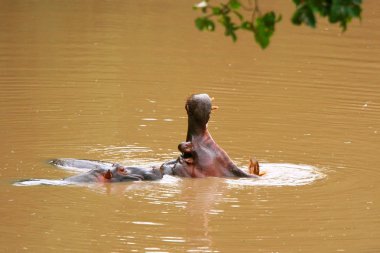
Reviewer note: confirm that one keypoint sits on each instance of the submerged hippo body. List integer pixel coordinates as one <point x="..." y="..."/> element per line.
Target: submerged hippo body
<point x="201" y="156"/>
<point x="100" y="171"/>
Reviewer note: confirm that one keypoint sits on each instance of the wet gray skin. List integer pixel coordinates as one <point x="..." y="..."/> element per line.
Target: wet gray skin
<point x="106" y="172"/>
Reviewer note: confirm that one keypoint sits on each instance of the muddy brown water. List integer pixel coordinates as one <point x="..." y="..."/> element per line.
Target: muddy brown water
<point x="108" y="80"/>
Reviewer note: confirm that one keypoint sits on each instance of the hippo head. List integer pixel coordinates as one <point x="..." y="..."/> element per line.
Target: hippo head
<point x="118" y="174"/>
<point x="198" y="108"/>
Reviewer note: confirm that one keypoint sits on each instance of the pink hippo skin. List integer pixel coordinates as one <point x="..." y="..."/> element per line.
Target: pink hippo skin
<point x="201" y="156"/>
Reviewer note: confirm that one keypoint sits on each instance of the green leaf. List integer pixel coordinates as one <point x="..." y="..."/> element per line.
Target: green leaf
<point x="210" y="25"/>
<point x="323" y="7"/>
<point x="200" y="23"/>
<point x="304" y="14"/>
<point x="337" y="11"/>
<point x="204" y="23"/>
<point x="356" y="11"/>
<point x="216" y="10"/>
<point x="229" y="26"/>
<point x="342" y="11"/>
<point x="247" y="26"/>
<point x="264" y="28"/>
<point x="269" y="19"/>
<point x="261" y="36"/>
<point x="234" y="4"/>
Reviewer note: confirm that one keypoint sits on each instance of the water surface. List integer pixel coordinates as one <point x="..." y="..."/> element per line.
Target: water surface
<point x="108" y="80"/>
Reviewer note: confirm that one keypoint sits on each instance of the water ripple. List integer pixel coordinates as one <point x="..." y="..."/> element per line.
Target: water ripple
<point x="281" y="174"/>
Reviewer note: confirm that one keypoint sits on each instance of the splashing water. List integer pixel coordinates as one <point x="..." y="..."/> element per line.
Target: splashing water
<point x="281" y="174"/>
<point x="276" y="174"/>
<point x="35" y="182"/>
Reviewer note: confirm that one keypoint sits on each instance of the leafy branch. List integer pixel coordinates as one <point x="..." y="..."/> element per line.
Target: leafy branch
<point x="233" y="15"/>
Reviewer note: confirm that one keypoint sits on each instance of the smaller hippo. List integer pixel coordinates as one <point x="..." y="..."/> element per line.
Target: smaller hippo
<point x="106" y="172"/>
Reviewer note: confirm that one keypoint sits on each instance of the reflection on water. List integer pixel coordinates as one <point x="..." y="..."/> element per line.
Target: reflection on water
<point x="107" y="80"/>
<point x="34" y="182"/>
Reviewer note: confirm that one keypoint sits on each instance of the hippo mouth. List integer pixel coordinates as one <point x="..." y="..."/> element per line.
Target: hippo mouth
<point x="188" y="157"/>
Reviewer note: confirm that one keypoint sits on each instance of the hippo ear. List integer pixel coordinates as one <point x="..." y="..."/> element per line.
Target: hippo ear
<point x="188" y="109"/>
<point x="254" y="167"/>
<point x="108" y="174"/>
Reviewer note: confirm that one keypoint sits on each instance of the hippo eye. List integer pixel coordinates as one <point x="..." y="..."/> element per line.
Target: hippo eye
<point x="121" y="169"/>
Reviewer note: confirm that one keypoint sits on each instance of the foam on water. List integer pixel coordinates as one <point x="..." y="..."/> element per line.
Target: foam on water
<point x="281" y="174"/>
<point x="35" y="182"/>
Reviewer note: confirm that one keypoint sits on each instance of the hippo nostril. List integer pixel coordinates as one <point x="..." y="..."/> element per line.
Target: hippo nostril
<point x="108" y="175"/>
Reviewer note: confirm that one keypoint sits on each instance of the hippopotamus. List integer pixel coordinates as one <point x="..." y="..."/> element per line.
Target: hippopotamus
<point x="100" y="171"/>
<point x="200" y="155"/>
<point x="117" y="174"/>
